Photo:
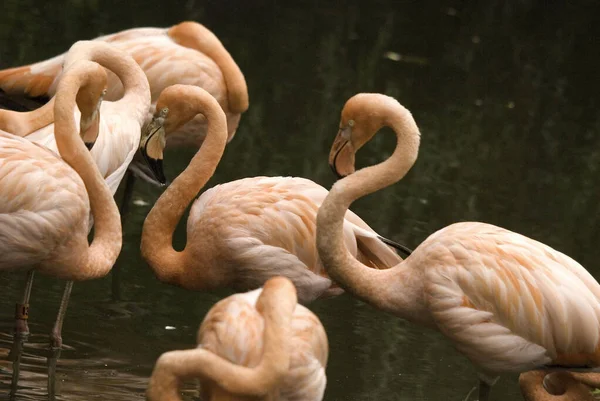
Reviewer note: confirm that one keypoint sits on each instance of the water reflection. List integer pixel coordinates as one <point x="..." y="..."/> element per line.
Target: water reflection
<point x="504" y="93"/>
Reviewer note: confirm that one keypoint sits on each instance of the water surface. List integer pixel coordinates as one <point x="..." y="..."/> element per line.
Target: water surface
<point x="507" y="99"/>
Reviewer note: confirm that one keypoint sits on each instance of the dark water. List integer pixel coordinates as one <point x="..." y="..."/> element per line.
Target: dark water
<point x="507" y="98"/>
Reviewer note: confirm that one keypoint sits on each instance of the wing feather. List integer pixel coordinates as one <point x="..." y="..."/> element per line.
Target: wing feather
<point x="233" y="329"/>
<point x="511" y="303"/>
<point x="281" y="211"/>
<point x="42" y="203"/>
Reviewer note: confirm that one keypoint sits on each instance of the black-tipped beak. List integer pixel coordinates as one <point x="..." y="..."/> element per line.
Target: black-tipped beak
<point x="151" y="148"/>
<point x="341" y="155"/>
<point x="332" y="163"/>
<point x="89" y="145"/>
<point x="141" y="168"/>
<point x="156" y="168"/>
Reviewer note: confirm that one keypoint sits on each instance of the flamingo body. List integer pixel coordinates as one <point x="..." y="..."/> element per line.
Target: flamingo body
<point x="508" y="302"/>
<point x="114" y="149"/>
<point x="259" y="227"/>
<point x="233" y="329"/>
<point x="44" y="205"/>
<point x="167" y="56"/>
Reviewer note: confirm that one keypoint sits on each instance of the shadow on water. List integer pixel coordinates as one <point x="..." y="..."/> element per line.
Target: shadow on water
<point x="507" y="100"/>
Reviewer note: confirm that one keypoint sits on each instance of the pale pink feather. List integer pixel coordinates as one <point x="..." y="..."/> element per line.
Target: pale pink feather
<point x="233" y="329"/>
<point x="265" y="226"/>
<point x="510" y="303"/>
<point x="43" y="203"/>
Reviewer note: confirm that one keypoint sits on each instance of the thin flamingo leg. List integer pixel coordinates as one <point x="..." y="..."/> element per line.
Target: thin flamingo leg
<point x="56" y="340"/>
<point x="21" y="332"/>
<point x="124" y="210"/>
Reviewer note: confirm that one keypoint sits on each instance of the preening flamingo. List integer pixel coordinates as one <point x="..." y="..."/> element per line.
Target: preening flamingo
<point x="114" y="138"/>
<point x="186" y="53"/>
<point x="538" y="385"/>
<point x="508" y="302"/>
<point x="241" y="233"/>
<point x="45" y="203"/>
<point x="260" y="344"/>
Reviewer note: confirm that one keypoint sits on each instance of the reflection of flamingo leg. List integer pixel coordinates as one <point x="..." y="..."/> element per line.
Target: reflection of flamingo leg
<point x="21" y="333"/>
<point x="56" y="340"/>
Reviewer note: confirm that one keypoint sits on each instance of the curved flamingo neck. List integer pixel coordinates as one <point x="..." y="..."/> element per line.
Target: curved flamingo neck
<point x="159" y="226"/>
<point x="276" y="304"/>
<point x="137" y="96"/>
<point x="24" y="123"/>
<point x="196" y="36"/>
<point x="373" y="286"/>
<point x="540" y="385"/>
<point x="100" y="256"/>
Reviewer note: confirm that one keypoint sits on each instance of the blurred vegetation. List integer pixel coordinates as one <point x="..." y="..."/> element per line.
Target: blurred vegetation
<point x="505" y="93"/>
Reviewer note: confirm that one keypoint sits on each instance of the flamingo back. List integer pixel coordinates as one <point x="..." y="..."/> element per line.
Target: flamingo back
<point x="43" y="203"/>
<point x="509" y="302"/>
<point x="233" y="329"/>
<point x="163" y="60"/>
<point x="264" y="226"/>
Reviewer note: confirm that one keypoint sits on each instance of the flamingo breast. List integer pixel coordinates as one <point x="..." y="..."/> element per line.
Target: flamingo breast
<point x="43" y="203"/>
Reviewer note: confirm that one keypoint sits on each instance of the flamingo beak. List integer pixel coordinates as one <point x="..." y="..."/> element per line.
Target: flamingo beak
<point x="341" y="156"/>
<point x="90" y="134"/>
<point x="151" y="147"/>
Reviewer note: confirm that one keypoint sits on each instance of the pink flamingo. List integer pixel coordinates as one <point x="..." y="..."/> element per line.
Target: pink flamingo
<point x="46" y="202"/>
<point x="186" y="53"/>
<point x="260" y="344"/>
<point x="507" y="302"/>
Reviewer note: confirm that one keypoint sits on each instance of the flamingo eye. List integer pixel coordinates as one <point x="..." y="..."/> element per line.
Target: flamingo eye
<point x="351" y="123"/>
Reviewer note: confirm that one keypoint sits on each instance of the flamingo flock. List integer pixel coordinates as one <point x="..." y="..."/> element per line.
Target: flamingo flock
<point x="505" y="301"/>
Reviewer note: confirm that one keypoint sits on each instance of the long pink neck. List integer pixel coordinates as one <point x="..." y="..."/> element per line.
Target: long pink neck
<point x="157" y="234"/>
<point x="97" y="259"/>
<point x="372" y="286"/>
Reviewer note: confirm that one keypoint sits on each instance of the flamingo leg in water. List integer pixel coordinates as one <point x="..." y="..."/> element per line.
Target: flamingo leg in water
<point x="124" y="210"/>
<point x="56" y="340"/>
<point x="21" y="332"/>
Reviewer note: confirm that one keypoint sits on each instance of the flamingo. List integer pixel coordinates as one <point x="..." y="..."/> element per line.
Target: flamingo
<point x="243" y="232"/>
<point x="46" y="200"/>
<point x="508" y="302"/>
<point x="538" y="385"/>
<point x="259" y="344"/>
<point x="186" y="53"/>
<point x="115" y="140"/>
